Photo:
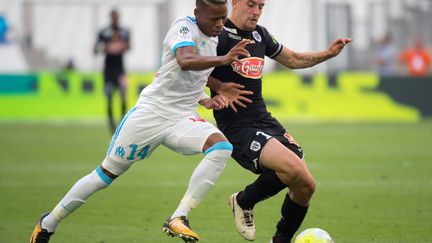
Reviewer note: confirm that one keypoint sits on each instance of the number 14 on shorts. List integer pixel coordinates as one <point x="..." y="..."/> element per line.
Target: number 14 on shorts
<point x="134" y="152"/>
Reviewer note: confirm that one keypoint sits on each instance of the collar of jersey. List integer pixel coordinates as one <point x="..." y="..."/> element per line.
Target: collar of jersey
<point x="193" y="20"/>
<point x="230" y="27"/>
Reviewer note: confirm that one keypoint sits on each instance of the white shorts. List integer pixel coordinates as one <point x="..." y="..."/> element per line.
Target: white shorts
<point x="142" y="131"/>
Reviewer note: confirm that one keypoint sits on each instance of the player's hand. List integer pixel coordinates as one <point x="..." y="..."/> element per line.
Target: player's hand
<point x="235" y="94"/>
<point x="218" y="102"/>
<point x="235" y="52"/>
<point x="337" y="46"/>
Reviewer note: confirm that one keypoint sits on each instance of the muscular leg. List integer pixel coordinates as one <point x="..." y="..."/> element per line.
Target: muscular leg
<point x="293" y="172"/>
<point x="77" y="195"/>
<point x="290" y="169"/>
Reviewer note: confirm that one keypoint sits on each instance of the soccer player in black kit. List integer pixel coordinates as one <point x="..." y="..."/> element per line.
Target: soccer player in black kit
<point x="113" y="41"/>
<point x="261" y="143"/>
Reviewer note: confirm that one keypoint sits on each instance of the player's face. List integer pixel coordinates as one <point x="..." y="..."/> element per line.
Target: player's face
<point x="210" y="19"/>
<point x="114" y="17"/>
<point x="247" y="13"/>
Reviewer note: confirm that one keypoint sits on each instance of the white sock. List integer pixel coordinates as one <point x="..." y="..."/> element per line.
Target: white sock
<point x="76" y="196"/>
<point x="204" y="177"/>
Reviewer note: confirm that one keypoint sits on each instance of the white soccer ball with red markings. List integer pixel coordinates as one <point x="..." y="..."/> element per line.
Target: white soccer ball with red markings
<point x="313" y="235"/>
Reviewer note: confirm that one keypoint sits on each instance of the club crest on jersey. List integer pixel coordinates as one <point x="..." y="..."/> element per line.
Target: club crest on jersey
<point x="251" y="67"/>
<point x="120" y="152"/>
<point x="256" y="36"/>
<point x="255" y="146"/>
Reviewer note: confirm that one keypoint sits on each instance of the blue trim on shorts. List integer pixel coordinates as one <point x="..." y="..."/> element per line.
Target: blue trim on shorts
<point x="183" y="44"/>
<point x="224" y="145"/>
<point x="119" y="127"/>
<point x="103" y="176"/>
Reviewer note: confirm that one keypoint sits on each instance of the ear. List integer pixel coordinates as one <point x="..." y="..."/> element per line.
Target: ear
<point x="196" y="12"/>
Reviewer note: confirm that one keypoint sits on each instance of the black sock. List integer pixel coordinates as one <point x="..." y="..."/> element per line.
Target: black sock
<point x="292" y="217"/>
<point x="266" y="185"/>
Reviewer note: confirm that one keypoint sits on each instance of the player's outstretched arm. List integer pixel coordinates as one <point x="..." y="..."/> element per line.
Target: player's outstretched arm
<point x="296" y="60"/>
<point x="188" y="58"/>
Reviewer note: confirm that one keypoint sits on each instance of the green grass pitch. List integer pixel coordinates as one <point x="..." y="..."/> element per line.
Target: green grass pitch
<point x="374" y="185"/>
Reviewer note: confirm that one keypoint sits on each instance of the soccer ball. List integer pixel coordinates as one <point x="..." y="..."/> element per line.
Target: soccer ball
<point x="313" y="235"/>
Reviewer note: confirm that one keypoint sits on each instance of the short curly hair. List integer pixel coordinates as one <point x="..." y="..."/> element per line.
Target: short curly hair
<point x="209" y="2"/>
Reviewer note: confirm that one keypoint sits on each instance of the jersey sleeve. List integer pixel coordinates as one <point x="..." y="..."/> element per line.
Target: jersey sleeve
<point x="273" y="47"/>
<point x="100" y="36"/>
<point x="204" y="96"/>
<point x="126" y="35"/>
<point x="180" y="35"/>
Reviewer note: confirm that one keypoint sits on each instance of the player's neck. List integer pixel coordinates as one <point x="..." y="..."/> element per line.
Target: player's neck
<point x="238" y="25"/>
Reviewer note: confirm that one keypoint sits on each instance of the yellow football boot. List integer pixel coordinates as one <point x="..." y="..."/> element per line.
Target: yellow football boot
<point x="179" y="227"/>
<point x="39" y="234"/>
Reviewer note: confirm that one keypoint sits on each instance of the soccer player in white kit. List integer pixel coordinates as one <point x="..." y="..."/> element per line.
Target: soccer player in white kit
<point x="165" y="114"/>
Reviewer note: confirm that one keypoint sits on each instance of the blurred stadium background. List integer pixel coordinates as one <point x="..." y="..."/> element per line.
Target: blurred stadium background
<point x="49" y="33"/>
<point x="45" y="39"/>
<point x="367" y="135"/>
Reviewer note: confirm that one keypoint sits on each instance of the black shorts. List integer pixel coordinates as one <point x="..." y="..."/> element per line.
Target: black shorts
<point x="249" y="140"/>
<point x="112" y="77"/>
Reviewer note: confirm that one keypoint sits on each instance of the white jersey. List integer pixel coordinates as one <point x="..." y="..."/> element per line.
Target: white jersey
<point x="174" y="94"/>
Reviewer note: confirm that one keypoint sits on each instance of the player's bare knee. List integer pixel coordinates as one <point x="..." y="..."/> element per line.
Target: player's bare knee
<point x="302" y="191"/>
<point x="309" y="188"/>
<point x="108" y="173"/>
<point x="214" y="139"/>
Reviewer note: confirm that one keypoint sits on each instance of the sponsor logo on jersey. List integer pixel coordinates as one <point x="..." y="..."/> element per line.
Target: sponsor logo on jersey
<point x="256" y="36"/>
<point x="251" y="67"/>
<point x="183" y="33"/>
<point x="184" y="30"/>
<point x="235" y="37"/>
<point x="255" y="146"/>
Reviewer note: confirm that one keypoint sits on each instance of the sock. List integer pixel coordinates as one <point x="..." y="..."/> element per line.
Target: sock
<point x="204" y="177"/>
<point x="76" y="196"/>
<point x="292" y="217"/>
<point x="266" y="185"/>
